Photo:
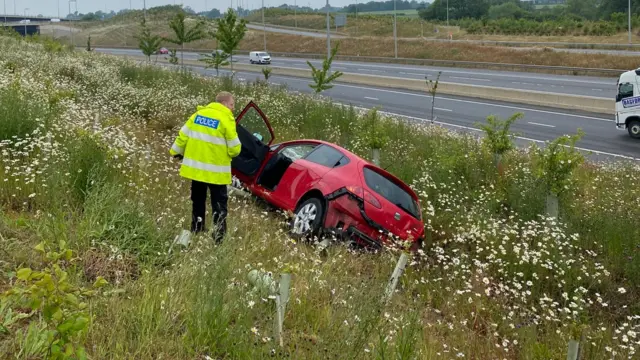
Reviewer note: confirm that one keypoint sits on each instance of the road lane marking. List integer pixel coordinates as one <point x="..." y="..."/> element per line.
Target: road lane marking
<point x="535" y="123"/>
<point x="435" y="69"/>
<point x="479" y="130"/>
<point x="370" y="70"/>
<point x="596" y="89"/>
<point x="467" y="78"/>
<point x="372" y="98"/>
<point x="446" y="70"/>
<point x="441" y="109"/>
<point x="476" y="102"/>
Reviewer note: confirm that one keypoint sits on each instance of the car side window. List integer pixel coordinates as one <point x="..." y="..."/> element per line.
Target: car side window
<point x="295" y="152"/>
<point x="625" y="90"/>
<point x="327" y="156"/>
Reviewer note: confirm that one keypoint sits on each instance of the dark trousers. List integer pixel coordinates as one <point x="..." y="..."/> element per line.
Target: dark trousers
<point x="219" y="199"/>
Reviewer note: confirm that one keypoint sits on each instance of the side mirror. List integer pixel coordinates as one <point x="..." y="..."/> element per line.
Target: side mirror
<point x="618" y="97"/>
<point x="258" y="136"/>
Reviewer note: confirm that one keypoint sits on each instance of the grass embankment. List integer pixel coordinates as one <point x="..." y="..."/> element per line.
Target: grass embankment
<point x="115" y="35"/>
<point x="378" y="25"/>
<point x="84" y="142"/>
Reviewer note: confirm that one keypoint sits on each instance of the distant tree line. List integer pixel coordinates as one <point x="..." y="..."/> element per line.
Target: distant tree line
<point x="516" y="9"/>
<point x="386" y="6"/>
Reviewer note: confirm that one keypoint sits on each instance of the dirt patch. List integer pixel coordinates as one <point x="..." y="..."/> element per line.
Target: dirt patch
<point x="114" y="268"/>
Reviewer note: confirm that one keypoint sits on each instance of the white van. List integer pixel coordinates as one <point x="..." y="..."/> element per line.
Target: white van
<point x="628" y="103"/>
<point x="259" y="57"/>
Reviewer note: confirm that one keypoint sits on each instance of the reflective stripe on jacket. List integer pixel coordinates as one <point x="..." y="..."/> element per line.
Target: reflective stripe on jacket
<point x="208" y="142"/>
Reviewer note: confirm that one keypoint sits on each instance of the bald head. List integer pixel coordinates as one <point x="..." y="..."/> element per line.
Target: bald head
<point x="226" y="99"/>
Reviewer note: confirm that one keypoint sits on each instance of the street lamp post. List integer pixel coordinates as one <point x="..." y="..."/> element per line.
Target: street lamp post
<point x="71" y="20"/>
<point x="447" y="12"/>
<point x="395" y="34"/>
<point x="4" y="3"/>
<point x="264" y="29"/>
<point x="295" y="13"/>
<point x="25" y="22"/>
<point x="328" y="33"/>
<point x="629" y="21"/>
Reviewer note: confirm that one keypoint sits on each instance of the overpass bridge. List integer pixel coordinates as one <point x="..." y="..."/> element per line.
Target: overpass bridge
<point x="32" y="27"/>
<point x="17" y="18"/>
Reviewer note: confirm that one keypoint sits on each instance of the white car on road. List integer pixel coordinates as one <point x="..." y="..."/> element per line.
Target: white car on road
<point x="259" y="57"/>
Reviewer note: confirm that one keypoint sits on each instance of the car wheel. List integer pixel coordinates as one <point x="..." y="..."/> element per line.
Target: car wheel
<point x="634" y="129"/>
<point x="307" y="219"/>
<point x="251" y="61"/>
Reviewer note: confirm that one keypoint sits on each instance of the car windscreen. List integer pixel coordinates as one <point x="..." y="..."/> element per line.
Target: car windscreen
<point x="392" y="192"/>
<point x="263" y="54"/>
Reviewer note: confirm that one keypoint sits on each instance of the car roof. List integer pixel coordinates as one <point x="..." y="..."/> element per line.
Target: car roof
<point x="348" y="153"/>
<point x="358" y="159"/>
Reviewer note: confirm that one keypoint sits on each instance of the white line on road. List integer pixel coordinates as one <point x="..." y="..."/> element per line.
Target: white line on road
<point x="415" y="74"/>
<point x="467" y="78"/>
<point x="370" y="70"/>
<point x="476" y="102"/>
<point x="441" y="109"/>
<point x="564" y="79"/>
<point x="535" y="123"/>
<point x="496" y="74"/>
<point x="372" y="98"/>
<point x="479" y="130"/>
<point x="596" y="89"/>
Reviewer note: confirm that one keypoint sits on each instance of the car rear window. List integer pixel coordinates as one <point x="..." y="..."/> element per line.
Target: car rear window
<point x="391" y="191"/>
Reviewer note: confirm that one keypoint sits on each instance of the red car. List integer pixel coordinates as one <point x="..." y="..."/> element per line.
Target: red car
<point x="328" y="188"/>
<point x="162" y="51"/>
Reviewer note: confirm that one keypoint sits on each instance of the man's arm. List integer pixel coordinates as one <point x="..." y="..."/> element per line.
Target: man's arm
<point x="177" y="149"/>
<point x="231" y="136"/>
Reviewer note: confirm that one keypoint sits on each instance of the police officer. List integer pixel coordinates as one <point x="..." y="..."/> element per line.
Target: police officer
<point x="206" y="144"/>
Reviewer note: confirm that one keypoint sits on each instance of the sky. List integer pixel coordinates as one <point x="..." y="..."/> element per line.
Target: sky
<point x="50" y="7"/>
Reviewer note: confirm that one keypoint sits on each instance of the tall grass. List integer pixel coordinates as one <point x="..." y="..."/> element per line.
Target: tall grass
<point x="20" y="116"/>
<point x="494" y="280"/>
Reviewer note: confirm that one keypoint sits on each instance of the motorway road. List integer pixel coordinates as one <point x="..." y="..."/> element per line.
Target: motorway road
<point x="461" y="114"/>
<point x="563" y="84"/>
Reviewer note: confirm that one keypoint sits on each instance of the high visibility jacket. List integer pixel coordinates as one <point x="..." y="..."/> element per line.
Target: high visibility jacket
<point x="208" y="142"/>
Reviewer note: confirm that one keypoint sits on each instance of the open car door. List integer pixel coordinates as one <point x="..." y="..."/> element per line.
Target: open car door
<point x="255" y="135"/>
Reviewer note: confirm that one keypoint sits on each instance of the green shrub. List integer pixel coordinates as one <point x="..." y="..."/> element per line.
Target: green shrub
<point x="59" y="314"/>
<point x="141" y="75"/>
<point x="88" y="166"/>
<point x="19" y="115"/>
<point x="115" y="221"/>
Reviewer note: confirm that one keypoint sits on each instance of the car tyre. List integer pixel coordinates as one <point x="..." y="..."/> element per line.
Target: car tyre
<point x="307" y="219"/>
<point x="634" y="129"/>
<point x="251" y="61"/>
